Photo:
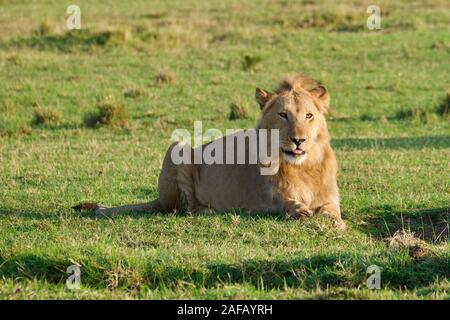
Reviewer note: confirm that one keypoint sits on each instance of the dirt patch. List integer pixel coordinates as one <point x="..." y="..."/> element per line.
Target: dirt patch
<point x="417" y="248"/>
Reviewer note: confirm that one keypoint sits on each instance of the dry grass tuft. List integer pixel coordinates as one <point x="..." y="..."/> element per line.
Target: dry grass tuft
<point x="166" y="77"/>
<point x="110" y="112"/>
<point x="46" y="116"/>
<point x="46" y="28"/>
<point x="402" y="239"/>
<point x="238" y="111"/>
<point x="16" y="131"/>
<point x="133" y="93"/>
<point x="162" y="123"/>
<point x="417" y="248"/>
<point x="251" y="63"/>
<point x="418" y="253"/>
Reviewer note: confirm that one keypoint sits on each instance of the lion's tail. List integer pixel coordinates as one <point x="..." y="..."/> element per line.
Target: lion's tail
<point x="148" y="207"/>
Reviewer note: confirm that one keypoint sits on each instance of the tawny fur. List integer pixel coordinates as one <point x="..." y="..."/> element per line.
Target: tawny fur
<point x="301" y="187"/>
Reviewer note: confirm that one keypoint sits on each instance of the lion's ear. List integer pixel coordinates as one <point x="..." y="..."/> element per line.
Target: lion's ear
<point x="262" y="97"/>
<point x="322" y="96"/>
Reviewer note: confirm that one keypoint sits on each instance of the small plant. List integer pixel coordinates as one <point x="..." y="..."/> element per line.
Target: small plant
<point x="46" y="116"/>
<point x="165" y="77"/>
<point x="238" y="111"/>
<point x="14" y="129"/>
<point x="217" y="81"/>
<point x="163" y="123"/>
<point x="133" y="93"/>
<point x="46" y="28"/>
<point x="119" y="36"/>
<point x="110" y="113"/>
<point x="417" y="248"/>
<point x="250" y="62"/>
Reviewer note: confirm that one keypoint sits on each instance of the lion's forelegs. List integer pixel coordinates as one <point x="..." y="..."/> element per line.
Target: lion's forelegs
<point x="201" y="210"/>
<point x="296" y="209"/>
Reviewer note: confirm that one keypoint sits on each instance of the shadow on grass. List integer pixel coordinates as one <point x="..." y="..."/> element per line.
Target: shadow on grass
<point x="183" y="213"/>
<point x="431" y="225"/>
<point x="40" y="215"/>
<point x="55" y="127"/>
<point x="32" y="266"/>
<point x="324" y="271"/>
<point x="67" y="42"/>
<point x="408" y="143"/>
<point x="343" y="271"/>
<point x="28" y="214"/>
<point x="90" y="214"/>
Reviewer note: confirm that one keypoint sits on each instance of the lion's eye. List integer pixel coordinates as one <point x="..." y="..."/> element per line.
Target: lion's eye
<point x="283" y="115"/>
<point x="309" y="116"/>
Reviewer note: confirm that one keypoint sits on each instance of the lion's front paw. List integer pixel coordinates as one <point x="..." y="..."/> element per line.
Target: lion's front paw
<point x="340" y="225"/>
<point x="298" y="210"/>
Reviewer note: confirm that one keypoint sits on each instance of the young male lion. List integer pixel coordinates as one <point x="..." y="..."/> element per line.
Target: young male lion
<point x="305" y="177"/>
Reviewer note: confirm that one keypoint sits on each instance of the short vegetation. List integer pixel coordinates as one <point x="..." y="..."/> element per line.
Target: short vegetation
<point x="153" y="69"/>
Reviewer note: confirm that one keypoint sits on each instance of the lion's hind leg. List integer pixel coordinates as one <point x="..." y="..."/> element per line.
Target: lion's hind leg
<point x="176" y="181"/>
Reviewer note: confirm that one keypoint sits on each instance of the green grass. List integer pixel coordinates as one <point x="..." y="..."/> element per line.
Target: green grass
<point x="175" y="62"/>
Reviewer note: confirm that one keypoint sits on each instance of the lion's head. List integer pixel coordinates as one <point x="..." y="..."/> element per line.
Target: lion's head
<point x="297" y="109"/>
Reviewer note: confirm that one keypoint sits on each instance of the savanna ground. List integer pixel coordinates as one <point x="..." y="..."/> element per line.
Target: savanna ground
<point x="153" y="66"/>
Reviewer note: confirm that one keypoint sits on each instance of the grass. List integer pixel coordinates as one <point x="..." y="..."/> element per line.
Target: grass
<point x="179" y="61"/>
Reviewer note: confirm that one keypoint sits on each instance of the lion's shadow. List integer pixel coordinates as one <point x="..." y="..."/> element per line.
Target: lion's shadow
<point x="348" y="271"/>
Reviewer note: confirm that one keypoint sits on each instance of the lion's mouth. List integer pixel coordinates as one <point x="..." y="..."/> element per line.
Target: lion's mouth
<point x="295" y="153"/>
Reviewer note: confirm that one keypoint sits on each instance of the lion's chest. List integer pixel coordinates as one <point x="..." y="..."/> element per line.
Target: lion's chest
<point x="301" y="186"/>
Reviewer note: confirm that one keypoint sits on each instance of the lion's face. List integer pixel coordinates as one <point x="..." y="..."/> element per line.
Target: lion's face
<point x="300" y="122"/>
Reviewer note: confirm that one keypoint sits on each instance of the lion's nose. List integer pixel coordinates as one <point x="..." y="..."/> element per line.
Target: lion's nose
<point x="297" y="141"/>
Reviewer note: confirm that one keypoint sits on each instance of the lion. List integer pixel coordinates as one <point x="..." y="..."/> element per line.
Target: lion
<point x="304" y="182"/>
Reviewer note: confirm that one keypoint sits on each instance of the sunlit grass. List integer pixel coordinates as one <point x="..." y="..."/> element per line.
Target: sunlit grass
<point x="167" y="66"/>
